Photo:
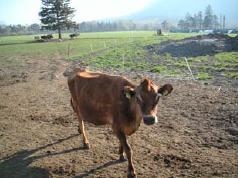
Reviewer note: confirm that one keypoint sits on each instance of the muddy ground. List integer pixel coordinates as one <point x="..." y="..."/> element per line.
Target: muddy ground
<point x="197" y="133"/>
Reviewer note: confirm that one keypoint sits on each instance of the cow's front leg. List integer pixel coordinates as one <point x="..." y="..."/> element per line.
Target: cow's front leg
<point x="125" y="145"/>
<point x="121" y="158"/>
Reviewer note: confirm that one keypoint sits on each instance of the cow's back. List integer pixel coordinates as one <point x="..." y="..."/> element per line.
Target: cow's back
<point x="97" y="96"/>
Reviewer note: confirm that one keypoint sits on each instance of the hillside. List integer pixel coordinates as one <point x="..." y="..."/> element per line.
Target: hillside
<point x="174" y="10"/>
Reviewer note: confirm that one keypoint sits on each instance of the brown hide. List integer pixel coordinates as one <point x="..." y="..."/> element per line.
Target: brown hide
<point x="103" y="99"/>
<point x="99" y="98"/>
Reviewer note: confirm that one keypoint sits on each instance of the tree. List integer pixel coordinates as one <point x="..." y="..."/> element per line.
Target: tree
<point x="208" y="19"/>
<point x="189" y="20"/>
<point x="182" y="24"/>
<point x="200" y="20"/>
<point x="56" y="15"/>
<point x="165" y="25"/>
<point x="224" y="22"/>
<point x="34" y="28"/>
<point x="215" y="22"/>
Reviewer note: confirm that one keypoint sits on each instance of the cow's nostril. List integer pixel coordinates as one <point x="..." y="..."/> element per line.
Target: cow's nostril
<point x="150" y="120"/>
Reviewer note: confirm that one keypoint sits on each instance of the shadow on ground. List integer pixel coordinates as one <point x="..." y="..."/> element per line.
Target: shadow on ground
<point x="18" y="164"/>
<point x="19" y="43"/>
<point x="93" y="170"/>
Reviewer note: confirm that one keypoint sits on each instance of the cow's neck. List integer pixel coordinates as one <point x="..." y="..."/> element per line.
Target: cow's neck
<point x="134" y="120"/>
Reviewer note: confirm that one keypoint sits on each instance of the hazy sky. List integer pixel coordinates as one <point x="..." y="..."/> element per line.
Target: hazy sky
<point x="26" y="11"/>
<point x="174" y="10"/>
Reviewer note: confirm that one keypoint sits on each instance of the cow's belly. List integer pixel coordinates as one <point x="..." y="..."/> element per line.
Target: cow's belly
<point x="98" y="114"/>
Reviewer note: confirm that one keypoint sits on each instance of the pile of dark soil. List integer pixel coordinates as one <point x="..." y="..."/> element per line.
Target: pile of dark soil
<point x="196" y="46"/>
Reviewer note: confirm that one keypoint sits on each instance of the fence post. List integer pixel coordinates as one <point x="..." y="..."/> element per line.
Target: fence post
<point x="105" y="46"/>
<point x="123" y="62"/>
<point x="68" y="49"/>
<point x="91" y="47"/>
<point x="189" y="68"/>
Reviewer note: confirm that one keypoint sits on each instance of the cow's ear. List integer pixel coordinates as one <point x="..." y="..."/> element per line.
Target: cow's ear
<point x="165" y="90"/>
<point x="129" y="92"/>
<point x="146" y="84"/>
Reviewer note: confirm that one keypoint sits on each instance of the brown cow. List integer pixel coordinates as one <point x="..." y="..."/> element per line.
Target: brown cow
<point x="103" y="99"/>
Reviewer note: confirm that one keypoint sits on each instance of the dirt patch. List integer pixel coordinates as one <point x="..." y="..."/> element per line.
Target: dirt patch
<point x="8" y="77"/>
<point x="196" y="46"/>
<point x="173" y="161"/>
<point x="196" y="135"/>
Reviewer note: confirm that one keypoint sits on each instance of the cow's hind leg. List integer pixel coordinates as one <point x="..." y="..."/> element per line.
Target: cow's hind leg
<point x="81" y="129"/>
<point x="125" y="145"/>
<point x="81" y="125"/>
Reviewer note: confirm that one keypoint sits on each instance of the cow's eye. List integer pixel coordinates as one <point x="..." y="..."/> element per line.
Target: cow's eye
<point x="157" y="99"/>
<point x="155" y="102"/>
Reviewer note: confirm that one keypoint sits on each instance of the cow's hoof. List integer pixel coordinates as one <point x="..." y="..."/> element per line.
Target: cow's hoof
<point x="86" y="146"/>
<point x="122" y="158"/>
<point x="131" y="175"/>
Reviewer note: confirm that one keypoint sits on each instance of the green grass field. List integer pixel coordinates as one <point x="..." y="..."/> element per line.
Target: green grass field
<point x="117" y="50"/>
<point x="85" y="44"/>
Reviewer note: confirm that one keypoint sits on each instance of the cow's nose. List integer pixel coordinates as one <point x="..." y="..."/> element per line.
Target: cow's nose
<point x="150" y="120"/>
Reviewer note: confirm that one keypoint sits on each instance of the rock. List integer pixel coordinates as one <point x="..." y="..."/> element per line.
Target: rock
<point x="232" y="131"/>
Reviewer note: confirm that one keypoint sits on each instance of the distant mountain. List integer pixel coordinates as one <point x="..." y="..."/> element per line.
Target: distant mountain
<point x="174" y="10"/>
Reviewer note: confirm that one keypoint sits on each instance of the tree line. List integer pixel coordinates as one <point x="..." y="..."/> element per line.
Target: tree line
<point x="20" y="29"/>
<point x="94" y="26"/>
<point x="202" y="21"/>
<point x="56" y="17"/>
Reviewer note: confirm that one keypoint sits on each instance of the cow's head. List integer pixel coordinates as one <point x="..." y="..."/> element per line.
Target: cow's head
<point x="145" y="97"/>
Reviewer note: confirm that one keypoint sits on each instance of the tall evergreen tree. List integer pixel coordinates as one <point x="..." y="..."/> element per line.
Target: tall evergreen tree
<point x="208" y="18"/>
<point x="224" y="22"/>
<point x="189" y="20"/>
<point x="200" y="20"/>
<point x="197" y="21"/>
<point x="56" y="15"/>
<point x="215" y="22"/>
<point x="165" y="25"/>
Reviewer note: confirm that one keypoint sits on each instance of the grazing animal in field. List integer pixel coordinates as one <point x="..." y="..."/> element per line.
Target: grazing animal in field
<point x="46" y="37"/>
<point x="73" y="35"/>
<point x="104" y="99"/>
<point x="37" y="37"/>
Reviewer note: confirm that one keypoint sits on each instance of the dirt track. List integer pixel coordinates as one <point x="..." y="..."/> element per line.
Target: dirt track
<point x="197" y="133"/>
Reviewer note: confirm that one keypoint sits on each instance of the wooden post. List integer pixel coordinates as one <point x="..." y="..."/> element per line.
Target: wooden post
<point x="189" y="68"/>
<point x="123" y="61"/>
<point x="105" y="46"/>
<point x="91" y="46"/>
<point x="68" y="50"/>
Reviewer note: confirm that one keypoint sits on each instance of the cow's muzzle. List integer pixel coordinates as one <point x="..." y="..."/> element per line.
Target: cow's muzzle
<point x="150" y="119"/>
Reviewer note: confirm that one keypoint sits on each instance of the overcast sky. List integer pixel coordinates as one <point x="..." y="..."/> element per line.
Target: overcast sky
<point x="26" y="11"/>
